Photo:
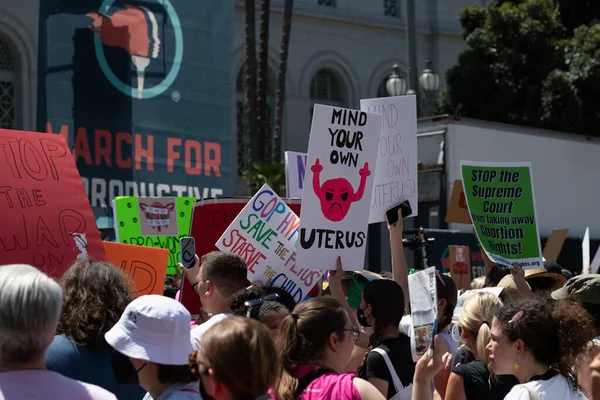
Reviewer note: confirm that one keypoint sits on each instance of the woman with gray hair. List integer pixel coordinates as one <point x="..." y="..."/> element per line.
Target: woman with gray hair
<point x="30" y="304"/>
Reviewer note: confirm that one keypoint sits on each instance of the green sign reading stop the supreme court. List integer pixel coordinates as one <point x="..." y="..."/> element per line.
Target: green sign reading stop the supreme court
<point x="502" y="208"/>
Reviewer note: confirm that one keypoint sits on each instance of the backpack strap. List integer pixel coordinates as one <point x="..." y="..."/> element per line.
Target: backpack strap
<point x="309" y="378"/>
<point x="397" y="382"/>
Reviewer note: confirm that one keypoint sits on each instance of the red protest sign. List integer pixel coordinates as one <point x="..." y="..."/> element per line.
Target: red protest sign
<point x="209" y="220"/>
<point x="45" y="215"/>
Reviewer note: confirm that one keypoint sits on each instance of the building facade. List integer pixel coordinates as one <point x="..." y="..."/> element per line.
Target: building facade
<point x="340" y="51"/>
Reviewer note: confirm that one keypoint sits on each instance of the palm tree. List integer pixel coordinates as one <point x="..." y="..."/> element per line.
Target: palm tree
<point x="281" y="75"/>
<point x="250" y="75"/>
<point x="263" y="79"/>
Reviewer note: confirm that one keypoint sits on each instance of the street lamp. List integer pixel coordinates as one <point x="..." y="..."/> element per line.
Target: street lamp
<point x="430" y="84"/>
<point x="396" y="84"/>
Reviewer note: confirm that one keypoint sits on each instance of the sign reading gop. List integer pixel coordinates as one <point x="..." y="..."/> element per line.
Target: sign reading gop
<point x="264" y="234"/>
<point x="339" y="178"/>
<point x="140" y="90"/>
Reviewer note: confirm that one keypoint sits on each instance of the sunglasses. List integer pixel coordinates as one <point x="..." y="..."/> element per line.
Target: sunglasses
<point x="251" y="304"/>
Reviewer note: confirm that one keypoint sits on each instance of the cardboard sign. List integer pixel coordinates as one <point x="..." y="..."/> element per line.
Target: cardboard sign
<point x="146" y="266"/>
<point x="295" y="169"/>
<point x="336" y="201"/>
<point x="45" y="217"/>
<point x="264" y="234"/>
<point x="460" y="266"/>
<point x="502" y="207"/>
<point x="595" y="265"/>
<point x="555" y="244"/>
<point x="458" y="211"/>
<point x="210" y="219"/>
<point x="396" y="168"/>
<point x="154" y="222"/>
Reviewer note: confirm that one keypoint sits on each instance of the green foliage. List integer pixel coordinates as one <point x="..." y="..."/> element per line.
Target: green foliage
<point x="273" y="174"/>
<point x="522" y="66"/>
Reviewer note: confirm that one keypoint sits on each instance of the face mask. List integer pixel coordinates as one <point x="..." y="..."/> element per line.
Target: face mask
<point x="123" y="369"/>
<point x="362" y="319"/>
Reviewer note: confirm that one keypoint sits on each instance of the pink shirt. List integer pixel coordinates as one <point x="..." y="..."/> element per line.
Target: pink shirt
<point x="47" y="385"/>
<point x="330" y="386"/>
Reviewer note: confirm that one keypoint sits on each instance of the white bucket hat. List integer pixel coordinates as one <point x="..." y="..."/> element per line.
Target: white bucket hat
<point x="153" y="328"/>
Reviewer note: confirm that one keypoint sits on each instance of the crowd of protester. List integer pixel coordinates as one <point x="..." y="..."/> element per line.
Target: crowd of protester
<point x="86" y="337"/>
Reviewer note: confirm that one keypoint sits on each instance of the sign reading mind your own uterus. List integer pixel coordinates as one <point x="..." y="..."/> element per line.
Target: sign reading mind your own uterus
<point x="337" y="189"/>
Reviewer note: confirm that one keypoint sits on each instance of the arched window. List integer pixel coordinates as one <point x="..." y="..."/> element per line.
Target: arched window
<point x="325" y="88"/>
<point x="8" y="87"/>
<point x="249" y="149"/>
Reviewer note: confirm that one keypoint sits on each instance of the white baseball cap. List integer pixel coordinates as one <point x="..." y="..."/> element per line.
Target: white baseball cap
<point x="153" y="328"/>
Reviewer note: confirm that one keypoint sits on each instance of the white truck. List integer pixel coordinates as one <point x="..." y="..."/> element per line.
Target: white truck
<point x="565" y="169"/>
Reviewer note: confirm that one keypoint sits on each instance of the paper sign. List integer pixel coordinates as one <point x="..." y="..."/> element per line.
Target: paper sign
<point x="154" y="222"/>
<point x="264" y="234"/>
<point x="502" y="207"/>
<point x="295" y="169"/>
<point x="460" y="266"/>
<point x="396" y="168"/>
<point x="146" y="266"/>
<point x="423" y="310"/>
<point x="595" y="263"/>
<point x="458" y="211"/>
<point x="339" y="176"/>
<point x="585" y="249"/>
<point x="45" y="217"/>
<point x="209" y="220"/>
<point x="555" y="244"/>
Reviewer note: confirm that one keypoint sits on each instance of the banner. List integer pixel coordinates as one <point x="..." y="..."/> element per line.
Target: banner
<point x="502" y="207"/>
<point x="264" y="234"/>
<point x="295" y="169"/>
<point x="142" y="92"/>
<point x="209" y="220"/>
<point x="146" y="266"/>
<point x="396" y="169"/>
<point x="45" y="218"/>
<point x="154" y="222"/>
<point x="341" y="156"/>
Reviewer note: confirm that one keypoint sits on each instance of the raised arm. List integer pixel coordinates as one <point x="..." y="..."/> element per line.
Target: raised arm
<point x="399" y="266"/>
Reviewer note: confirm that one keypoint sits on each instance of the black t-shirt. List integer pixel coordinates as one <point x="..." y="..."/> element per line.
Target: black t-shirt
<point x="398" y="350"/>
<point x="478" y="384"/>
<point x="463" y="356"/>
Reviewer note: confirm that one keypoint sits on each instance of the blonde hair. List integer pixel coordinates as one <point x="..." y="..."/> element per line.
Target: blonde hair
<point x="478" y="283"/>
<point x="242" y="355"/>
<point x="476" y="318"/>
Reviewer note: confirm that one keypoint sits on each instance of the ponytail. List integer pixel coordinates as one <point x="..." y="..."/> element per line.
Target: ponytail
<point x="286" y="344"/>
<point x="483" y="338"/>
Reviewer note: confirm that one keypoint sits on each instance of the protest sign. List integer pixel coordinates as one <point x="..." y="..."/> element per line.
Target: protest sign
<point x="45" y="216"/>
<point x="458" y="212"/>
<point x="146" y="266"/>
<point x="585" y="251"/>
<point x="460" y="266"/>
<point x="423" y="310"/>
<point x="595" y="265"/>
<point x="264" y="234"/>
<point x="209" y="220"/>
<point x="295" y="169"/>
<point x="336" y="202"/>
<point x="502" y="206"/>
<point x="154" y="222"/>
<point x="554" y="244"/>
<point x="396" y="168"/>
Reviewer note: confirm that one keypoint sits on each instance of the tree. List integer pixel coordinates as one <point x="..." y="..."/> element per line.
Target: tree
<point x="522" y="66"/>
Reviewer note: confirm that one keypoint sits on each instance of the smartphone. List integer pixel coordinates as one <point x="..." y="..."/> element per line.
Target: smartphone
<point x="188" y="251"/>
<point x="392" y="213"/>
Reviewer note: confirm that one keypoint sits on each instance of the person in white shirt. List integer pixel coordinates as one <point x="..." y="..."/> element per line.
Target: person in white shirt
<point x="216" y="277"/>
<point x="538" y="341"/>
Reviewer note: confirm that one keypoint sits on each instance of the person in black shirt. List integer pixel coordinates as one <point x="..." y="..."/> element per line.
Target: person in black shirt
<point x="472" y="380"/>
<point x="388" y="365"/>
